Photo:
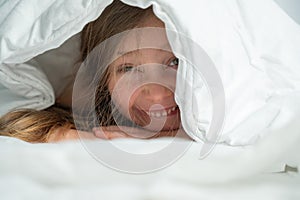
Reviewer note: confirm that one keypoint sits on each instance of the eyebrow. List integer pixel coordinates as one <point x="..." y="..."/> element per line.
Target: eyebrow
<point x="164" y="47"/>
<point x="124" y="53"/>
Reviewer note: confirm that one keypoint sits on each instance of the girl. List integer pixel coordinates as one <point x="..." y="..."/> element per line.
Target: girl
<point x="149" y="105"/>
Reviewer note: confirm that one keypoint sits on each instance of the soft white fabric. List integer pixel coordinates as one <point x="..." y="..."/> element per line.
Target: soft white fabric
<point x="24" y="86"/>
<point x="29" y="28"/>
<point x="60" y="64"/>
<point x="69" y="171"/>
<point x="256" y="56"/>
<point x="255" y="53"/>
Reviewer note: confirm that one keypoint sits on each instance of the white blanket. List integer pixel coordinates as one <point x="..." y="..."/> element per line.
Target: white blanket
<point x="29" y="28"/>
<point x="255" y="55"/>
<point x="68" y="171"/>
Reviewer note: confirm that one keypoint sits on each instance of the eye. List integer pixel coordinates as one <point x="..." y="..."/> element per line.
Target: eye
<point x="129" y="68"/>
<point x="174" y="63"/>
<point x="125" y="68"/>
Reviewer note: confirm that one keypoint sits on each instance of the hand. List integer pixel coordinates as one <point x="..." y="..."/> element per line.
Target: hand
<point x="63" y="134"/>
<point x="113" y="132"/>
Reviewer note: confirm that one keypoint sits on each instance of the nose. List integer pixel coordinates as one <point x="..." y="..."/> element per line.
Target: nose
<point x="156" y="92"/>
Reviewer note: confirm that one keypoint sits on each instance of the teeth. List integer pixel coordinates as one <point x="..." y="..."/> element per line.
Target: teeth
<point x="161" y="113"/>
<point x="164" y="113"/>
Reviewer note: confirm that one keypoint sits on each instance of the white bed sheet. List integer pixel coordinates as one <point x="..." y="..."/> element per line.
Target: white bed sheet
<point x="256" y="59"/>
<point x="68" y="171"/>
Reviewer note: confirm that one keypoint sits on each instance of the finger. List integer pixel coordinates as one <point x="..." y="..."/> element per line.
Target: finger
<point x="62" y="134"/>
<point x="124" y="130"/>
<point x="128" y="131"/>
<point x="136" y="132"/>
<point x="114" y="135"/>
<point x="100" y="134"/>
<point x="109" y="134"/>
<point x="107" y="128"/>
<point x="86" y="135"/>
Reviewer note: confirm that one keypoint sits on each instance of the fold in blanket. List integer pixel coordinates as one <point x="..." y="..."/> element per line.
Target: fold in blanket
<point x="24" y="86"/>
<point x="45" y="25"/>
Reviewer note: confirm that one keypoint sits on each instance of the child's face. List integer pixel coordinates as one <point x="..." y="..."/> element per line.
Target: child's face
<point x="142" y="81"/>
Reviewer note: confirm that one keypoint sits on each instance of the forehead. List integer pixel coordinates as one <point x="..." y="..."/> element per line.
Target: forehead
<point x="144" y="55"/>
<point x="143" y="38"/>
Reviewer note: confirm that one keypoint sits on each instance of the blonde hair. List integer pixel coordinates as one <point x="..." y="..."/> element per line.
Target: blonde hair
<point x="35" y="125"/>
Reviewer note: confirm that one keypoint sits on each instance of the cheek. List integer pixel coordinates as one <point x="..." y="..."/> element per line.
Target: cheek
<point x="126" y="96"/>
<point x="122" y="96"/>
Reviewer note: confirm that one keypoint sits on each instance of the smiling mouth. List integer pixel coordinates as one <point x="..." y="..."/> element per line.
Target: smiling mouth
<point x="163" y="112"/>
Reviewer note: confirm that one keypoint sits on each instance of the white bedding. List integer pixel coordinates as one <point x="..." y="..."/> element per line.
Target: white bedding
<point x="71" y="170"/>
<point x="68" y="171"/>
<point x="257" y="57"/>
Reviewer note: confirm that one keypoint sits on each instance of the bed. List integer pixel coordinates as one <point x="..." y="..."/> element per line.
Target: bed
<point x="253" y="151"/>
